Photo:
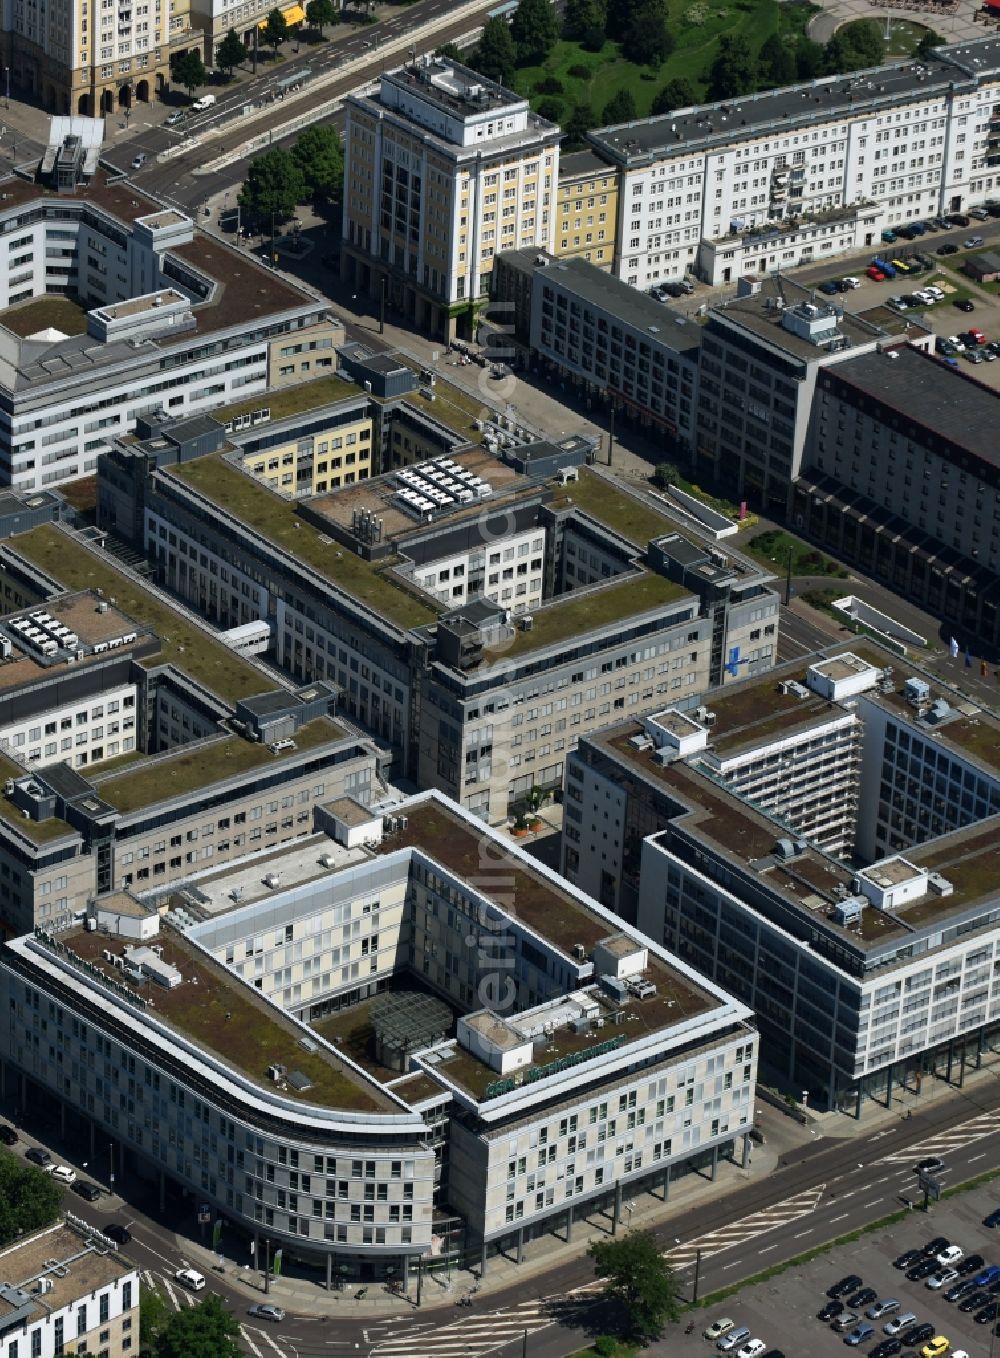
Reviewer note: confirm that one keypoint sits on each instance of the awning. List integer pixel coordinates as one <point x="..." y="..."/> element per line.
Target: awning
<point x="295" y="14"/>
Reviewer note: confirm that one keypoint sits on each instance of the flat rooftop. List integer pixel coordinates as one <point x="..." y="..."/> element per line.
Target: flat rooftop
<point x="632" y="516"/>
<point x="276" y="519"/>
<point x="191" y="648"/>
<point x="228" y="1018"/>
<point x="452" y="87"/>
<point x="65" y="1257"/>
<point x="746" y="117"/>
<point x="944" y="409"/>
<point x="759" y="315"/>
<point x="191" y="768"/>
<point x="582" y="165"/>
<point x="139" y="306"/>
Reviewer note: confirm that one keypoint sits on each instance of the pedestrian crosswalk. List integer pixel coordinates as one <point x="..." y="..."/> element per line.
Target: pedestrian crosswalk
<point x="258" y="1341"/>
<point x="472" y="1335"/>
<point x="683" y="1256"/>
<point x="963" y="1134"/>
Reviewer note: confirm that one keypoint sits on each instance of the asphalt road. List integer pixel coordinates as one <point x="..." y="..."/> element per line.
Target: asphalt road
<point x="818" y="1191"/>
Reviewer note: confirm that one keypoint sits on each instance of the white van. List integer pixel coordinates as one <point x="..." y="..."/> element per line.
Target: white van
<point x="190" y="1278"/>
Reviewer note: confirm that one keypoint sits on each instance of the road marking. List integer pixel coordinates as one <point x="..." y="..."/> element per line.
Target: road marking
<point x="268" y="1340"/>
<point x="802" y="1233"/>
<point x="874" y="1202"/>
<point x="842" y="1217"/>
<point x="974" y="1158"/>
<point x="767" y="1249"/>
<point x="734" y="1264"/>
<point x="171" y="1294"/>
<point x="248" y="1340"/>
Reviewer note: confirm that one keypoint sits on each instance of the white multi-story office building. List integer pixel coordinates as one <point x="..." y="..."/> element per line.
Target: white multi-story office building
<point x="863" y="935"/>
<point x="915" y="139"/>
<point x="409" y="1028"/>
<point x="67" y="1291"/>
<point x="443" y="169"/>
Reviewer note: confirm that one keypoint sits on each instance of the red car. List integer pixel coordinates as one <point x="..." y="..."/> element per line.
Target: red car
<point x="875" y="274"/>
<point x="977" y="335"/>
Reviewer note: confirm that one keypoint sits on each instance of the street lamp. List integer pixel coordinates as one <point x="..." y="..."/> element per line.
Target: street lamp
<point x="111" y="1162"/>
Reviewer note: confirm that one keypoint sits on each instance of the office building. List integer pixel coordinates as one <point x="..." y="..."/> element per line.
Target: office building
<point x="67" y="1291"/>
<point x="136" y="746"/>
<point x="586" y="209"/>
<point x="400" y="1036"/>
<point x="476" y="614"/>
<point x="832" y="162"/>
<point x="900" y="475"/>
<point x="611" y="342"/>
<point x="443" y="169"/>
<point x="170" y="320"/>
<point x="821" y="843"/>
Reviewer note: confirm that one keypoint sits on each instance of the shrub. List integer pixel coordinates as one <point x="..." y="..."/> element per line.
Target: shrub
<point x="579" y="71"/>
<point x="550" y="109"/>
<point x="549" y="85"/>
<point x="605" y="1346"/>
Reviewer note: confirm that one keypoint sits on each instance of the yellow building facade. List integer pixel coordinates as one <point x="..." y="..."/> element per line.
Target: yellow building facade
<point x="586" y="209"/>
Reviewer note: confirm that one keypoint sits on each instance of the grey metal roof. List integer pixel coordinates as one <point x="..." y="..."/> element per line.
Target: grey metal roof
<point x="745" y="117"/>
<point x="577" y="163"/>
<point x="952" y="406"/>
<point x="628" y="304"/>
<point x="987" y="262"/>
<point x="760" y="315"/>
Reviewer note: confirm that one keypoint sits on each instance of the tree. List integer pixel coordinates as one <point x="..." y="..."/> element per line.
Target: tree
<point x="647" y="40"/>
<point x="776" y="62"/>
<point x="29" y="1199"/>
<point x="678" y="93"/>
<point x="534" y="30"/>
<point x="274" y="184"/>
<point x="153" y="1315"/>
<point x="450" y="52"/>
<point x="620" y="109"/>
<point x="585" y="21"/>
<point x="550" y="110"/>
<point x="619" y="12"/>
<point x="854" y="47"/>
<point x="495" y="56"/>
<point x="578" y="124"/>
<point x="319" y="13"/>
<point x="734" y="71"/>
<point x="318" y="155"/>
<point x="665" y="474"/>
<point x="808" y="59"/>
<point x="188" y="69"/>
<point x="275" y="29"/>
<point x="204" y="1331"/>
<point x="926" y="45"/>
<point x="638" y="1278"/>
<point x="230" y="52"/>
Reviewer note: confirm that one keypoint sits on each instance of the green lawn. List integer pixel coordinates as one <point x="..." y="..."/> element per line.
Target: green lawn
<point x="954" y="264"/>
<point x="26" y="318"/>
<point x="772" y="549"/>
<point x="697" y="27"/>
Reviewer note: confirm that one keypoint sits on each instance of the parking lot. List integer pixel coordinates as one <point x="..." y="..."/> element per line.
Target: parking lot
<point x="783" y="1312"/>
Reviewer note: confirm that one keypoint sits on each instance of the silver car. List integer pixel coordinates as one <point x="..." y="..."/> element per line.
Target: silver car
<point x="885" y="1307"/>
<point x="734" y="1339"/>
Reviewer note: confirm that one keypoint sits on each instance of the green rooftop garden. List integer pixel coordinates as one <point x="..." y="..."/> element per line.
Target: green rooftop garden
<point x="61" y="313"/>
<point x="40" y="831"/>
<point x="322" y="391"/>
<point x="573" y="614"/>
<point x="191" y="649"/>
<point x="631" y="517"/>
<point x="275" y="519"/>
<point x="203" y="762"/>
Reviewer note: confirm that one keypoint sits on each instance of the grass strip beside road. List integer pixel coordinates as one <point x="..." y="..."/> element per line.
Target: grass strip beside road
<point x="712" y="1298"/>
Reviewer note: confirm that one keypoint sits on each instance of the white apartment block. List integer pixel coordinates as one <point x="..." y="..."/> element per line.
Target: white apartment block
<point x="81" y="733"/>
<point x="548" y="1065"/>
<point x="443" y="170"/>
<point x="176" y="323"/>
<point x="878" y="955"/>
<point x="68" y="1291"/>
<point x="915" y="140"/>
<point x="514" y="573"/>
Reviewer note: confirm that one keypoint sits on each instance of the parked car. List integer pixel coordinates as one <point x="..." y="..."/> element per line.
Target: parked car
<point x="886" y="1348"/>
<point x="970" y="1264"/>
<point x="831" y="1311"/>
<point x="980" y="213"/>
<point x="174" y="118"/>
<point x="718" y="1328"/>
<point x="190" y="1278"/>
<point x="88" y="1191"/>
<point x="64" y="1175"/>
<point x="859" y="1335"/>
<point x="121" y="1235"/>
<point x="846" y="1322"/>
<point x="909" y="1257"/>
<point x="988" y="1314"/>
<point x="907" y="232"/>
<point x="973" y="243"/>
<point x="849" y="1284"/>
<point x="965" y="304"/>
<point x="946" y="249"/>
<point x="988" y="1275"/>
<point x="43" y="1159"/>
<point x="900" y="1322"/>
<point x="263" y="1310"/>
<point x="943" y="1278"/>
<point x="885" y="1307"/>
<point x="900" y="265"/>
<point x="733" y="1339"/>
<point x="753" y="1348"/>
<point x="851" y="281"/>
<point x="926" y="1266"/>
<point x="959" y="219"/>
<point x="936" y="1348"/>
<point x="951" y="1254"/>
<point x="876" y="275"/>
<point x="917" y="1334"/>
<point x="992" y="1221"/>
<point x="7" y="1135"/>
<point x="829" y="287"/>
<point x="975" y="1301"/>
<point x="888" y="236"/>
<point x="975" y="335"/>
<point x="139" y="161"/>
<point x="959" y="1290"/>
<point x="864" y="1297"/>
